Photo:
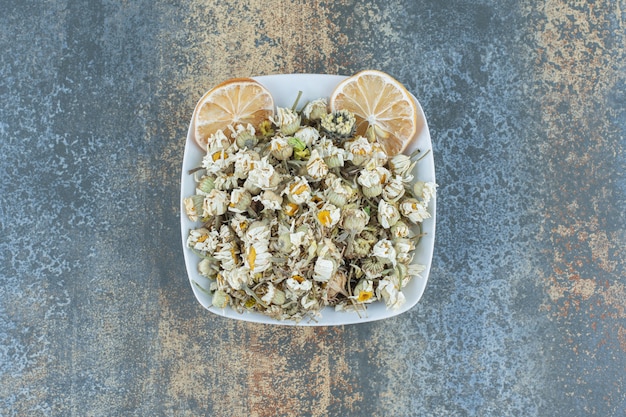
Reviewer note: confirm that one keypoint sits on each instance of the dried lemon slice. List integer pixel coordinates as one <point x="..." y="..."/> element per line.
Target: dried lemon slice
<point x="383" y="108"/>
<point x="235" y="101"/>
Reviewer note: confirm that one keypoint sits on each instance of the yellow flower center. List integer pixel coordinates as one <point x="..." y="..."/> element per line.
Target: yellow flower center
<point x="252" y="257"/>
<point x="219" y="155"/>
<point x="203" y="238"/>
<point x="324" y="217"/>
<point x="291" y="209"/>
<point x="364" y="296"/>
<point x="298" y="189"/>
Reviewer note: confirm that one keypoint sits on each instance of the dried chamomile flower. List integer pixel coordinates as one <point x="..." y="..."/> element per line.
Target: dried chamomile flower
<point x="193" y="206"/>
<point x="244" y="136"/>
<point x="239" y="224"/>
<point x="371" y="182"/>
<point x="364" y="291"/>
<point x="203" y="240"/>
<point x="220" y="299"/>
<point x="404" y="250"/>
<point x="298" y="191"/>
<point x="359" y="150"/>
<point x="337" y="192"/>
<point x="378" y="157"/>
<point x="298" y="285"/>
<point x="358" y="249"/>
<point x="243" y="162"/>
<point x="354" y="220"/>
<point x="217" y="158"/>
<point x="273" y="295"/>
<point x="388" y="214"/>
<point x="333" y="156"/>
<point x="257" y="257"/>
<point x="287" y="120"/>
<point x="400" y="230"/>
<point x="413" y="210"/>
<point x="394" y="189"/>
<point x="329" y="215"/>
<point x="208" y="268"/>
<point x="237" y="278"/>
<point x="240" y="200"/>
<point x="205" y="185"/>
<point x="315" y="110"/>
<point x="262" y="176"/>
<point x="227" y="254"/>
<point x="339" y="125"/>
<point x="225" y="181"/>
<point x="218" y="140"/>
<point x="316" y="167"/>
<point x="308" y="135"/>
<point x="373" y="267"/>
<point x="389" y="292"/>
<point x="280" y="148"/>
<point x="270" y="200"/>
<point x="324" y="269"/>
<point x="424" y="190"/>
<point x="384" y="251"/>
<point x="215" y="203"/>
<point x="265" y="128"/>
<point x="401" y="165"/>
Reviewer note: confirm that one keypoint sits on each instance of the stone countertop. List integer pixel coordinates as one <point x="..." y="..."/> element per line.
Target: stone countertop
<point x="525" y="309"/>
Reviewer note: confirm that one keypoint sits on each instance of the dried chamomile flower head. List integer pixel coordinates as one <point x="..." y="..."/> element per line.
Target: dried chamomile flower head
<point x="372" y="267"/>
<point x="413" y="210"/>
<point x="316" y="109"/>
<point x="364" y="291"/>
<point x="217" y="159"/>
<point x="270" y="200"/>
<point x="316" y="167"/>
<point x="298" y="191"/>
<point x="193" y="206"/>
<point x="240" y="200"/>
<point x="280" y="148"/>
<point x="338" y="192"/>
<point x="394" y="189"/>
<point x="400" y="230"/>
<point x="359" y="150"/>
<point x="244" y="161"/>
<point x="218" y="140"/>
<point x="384" y="251"/>
<point x="244" y="136"/>
<point x="220" y="299"/>
<point x="388" y="214"/>
<point x="262" y="176"/>
<point x="354" y="220"/>
<point x="401" y="164"/>
<point x="390" y="293"/>
<point x="299" y="213"/>
<point x="424" y="190"/>
<point x="208" y="268"/>
<point x="371" y="182"/>
<point x="215" y="203"/>
<point x="308" y="135"/>
<point x="339" y="125"/>
<point x="329" y="215"/>
<point x="287" y="120"/>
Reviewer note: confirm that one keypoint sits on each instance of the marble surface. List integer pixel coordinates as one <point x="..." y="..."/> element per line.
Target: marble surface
<point x="525" y="310"/>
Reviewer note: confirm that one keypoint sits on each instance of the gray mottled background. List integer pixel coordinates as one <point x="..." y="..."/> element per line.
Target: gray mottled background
<point x="525" y="310"/>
